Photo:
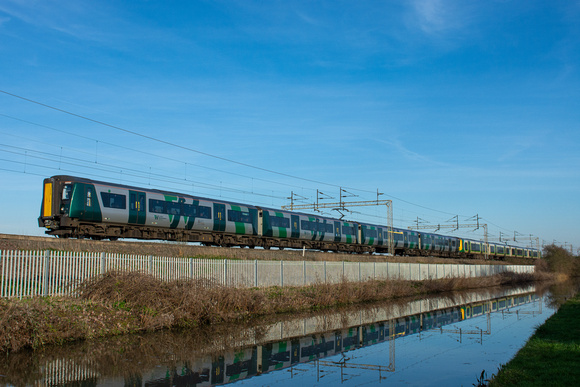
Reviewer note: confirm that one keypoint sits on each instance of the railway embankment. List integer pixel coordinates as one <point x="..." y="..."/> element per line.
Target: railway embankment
<point x="182" y="249"/>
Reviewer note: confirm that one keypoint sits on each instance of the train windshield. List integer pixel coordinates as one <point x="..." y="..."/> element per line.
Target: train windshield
<point x="66" y="191"/>
<point x="66" y="196"/>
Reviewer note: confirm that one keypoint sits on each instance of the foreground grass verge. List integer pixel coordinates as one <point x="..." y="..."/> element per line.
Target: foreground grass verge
<point x="551" y="356"/>
<point x="127" y="302"/>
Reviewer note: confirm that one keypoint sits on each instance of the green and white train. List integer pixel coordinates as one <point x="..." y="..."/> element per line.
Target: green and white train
<point x="74" y="207"/>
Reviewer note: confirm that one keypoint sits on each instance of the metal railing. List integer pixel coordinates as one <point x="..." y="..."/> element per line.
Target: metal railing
<point x="50" y="273"/>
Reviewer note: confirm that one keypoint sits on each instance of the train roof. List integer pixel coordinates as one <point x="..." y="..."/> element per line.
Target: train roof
<point x="157" y="191"/>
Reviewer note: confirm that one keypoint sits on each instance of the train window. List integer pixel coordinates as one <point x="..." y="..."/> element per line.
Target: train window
<point x="111" y="200"/>
<point x="204" y="212"/>
<point x="190" y="210"/>
<point x="348" y="230"/>
<point x="89" y="197"/>
<point x="369" y="233"/>
<point x="173" y="208"/>
<point x="239" y="216"/>
<point x="277" y="221"/>
<point x="317" y="226"/>
<point x="178" y="209"/>
<point x="157" y="206"/>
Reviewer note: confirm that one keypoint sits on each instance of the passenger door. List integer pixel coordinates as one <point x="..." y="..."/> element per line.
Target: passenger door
<point x="295" y="226"/>
<point x="219" y="217"/>
<point x="337" y="232"/>
<point x="137" y="214"/>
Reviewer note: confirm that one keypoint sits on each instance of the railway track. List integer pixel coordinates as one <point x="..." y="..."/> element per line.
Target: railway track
<point x="182" y="249"/>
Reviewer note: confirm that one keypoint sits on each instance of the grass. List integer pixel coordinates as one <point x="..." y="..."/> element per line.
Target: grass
<point x="551" y="356"/>
<point x="125" y="302"/>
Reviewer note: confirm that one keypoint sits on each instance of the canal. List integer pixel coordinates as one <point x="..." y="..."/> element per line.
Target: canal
<point x="445" y="340"/>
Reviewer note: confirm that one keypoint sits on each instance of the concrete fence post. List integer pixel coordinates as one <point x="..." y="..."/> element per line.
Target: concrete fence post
<point x="281" y="273"/>
<point x="304" y="272"/>
<point x="103" y="263"/>
<point x="150" y="265"/>
<point x="45" y="280"/>
<point x="255" y="273"/>
<point x="225" y="280"/>
<point x="324" y="271"/>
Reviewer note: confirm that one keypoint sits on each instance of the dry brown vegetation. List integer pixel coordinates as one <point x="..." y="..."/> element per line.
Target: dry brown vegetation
<point x="123" y="302"/>
<point x="559" y="261"/>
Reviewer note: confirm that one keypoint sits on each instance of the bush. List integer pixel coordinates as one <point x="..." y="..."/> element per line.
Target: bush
<point x="559" y="261"/>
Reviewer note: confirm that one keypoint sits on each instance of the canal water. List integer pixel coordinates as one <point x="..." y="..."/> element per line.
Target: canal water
<point x="446" y="340"/>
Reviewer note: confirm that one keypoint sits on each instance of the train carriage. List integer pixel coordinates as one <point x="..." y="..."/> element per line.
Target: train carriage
<point x="83" y="208"/>
<point x="75" y="207"/>
<point x="307" y="230"/>
<point x="370" y="235"/>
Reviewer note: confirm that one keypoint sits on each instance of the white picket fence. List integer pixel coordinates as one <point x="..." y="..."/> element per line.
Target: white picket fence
<point x="50" y="273"/>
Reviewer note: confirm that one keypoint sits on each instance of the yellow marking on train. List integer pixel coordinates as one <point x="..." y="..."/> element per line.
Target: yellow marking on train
<point x="47" y="208"/>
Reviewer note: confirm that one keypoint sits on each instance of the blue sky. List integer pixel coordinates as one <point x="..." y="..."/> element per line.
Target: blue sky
<point x="447" y="107"/>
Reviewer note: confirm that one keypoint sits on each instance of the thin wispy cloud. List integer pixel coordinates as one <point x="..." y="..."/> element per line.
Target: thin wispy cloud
<point x="444" y="19"/>
<point x="432" y="15"/>
<point x="66" y="18"/>
<point x="410" y="155"/>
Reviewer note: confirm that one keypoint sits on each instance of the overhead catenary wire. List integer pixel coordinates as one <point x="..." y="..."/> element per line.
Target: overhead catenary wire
<point x="127" y="180"/>
<point x="162" y="141"/>
<point x="132" y="172"/>
<point x="206" y="153"/>
<point x="149" y="154"/>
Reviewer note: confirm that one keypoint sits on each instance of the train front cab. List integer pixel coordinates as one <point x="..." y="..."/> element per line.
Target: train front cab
<point x="464" y="247"/>
<point x="49" y="206"/>
<point x="56" y="198"/>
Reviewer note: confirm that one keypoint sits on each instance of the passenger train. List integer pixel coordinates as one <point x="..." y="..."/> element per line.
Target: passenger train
<point x="74" y="207"/>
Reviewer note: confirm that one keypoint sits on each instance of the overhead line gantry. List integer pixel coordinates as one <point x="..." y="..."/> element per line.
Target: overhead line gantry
<point x="342" y="206"/>
<point x="457" y="226"/>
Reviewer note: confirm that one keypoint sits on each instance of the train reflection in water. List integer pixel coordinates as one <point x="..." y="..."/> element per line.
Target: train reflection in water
<point x="293" y="350"/>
